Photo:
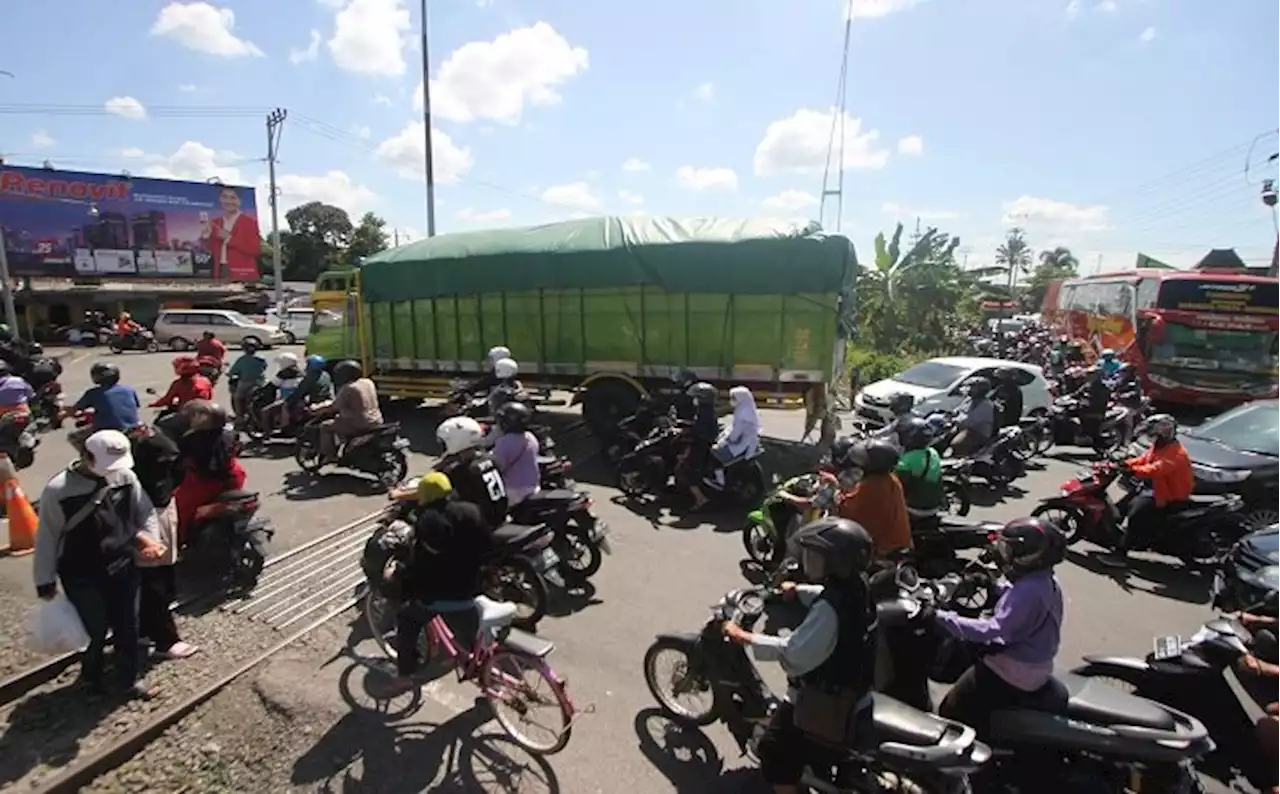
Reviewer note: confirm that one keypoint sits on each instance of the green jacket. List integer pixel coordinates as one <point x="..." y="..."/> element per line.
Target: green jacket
<point x="920" y="471"/>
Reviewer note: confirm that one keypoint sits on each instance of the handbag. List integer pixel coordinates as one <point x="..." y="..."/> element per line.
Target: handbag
<point x="836" y="716"/>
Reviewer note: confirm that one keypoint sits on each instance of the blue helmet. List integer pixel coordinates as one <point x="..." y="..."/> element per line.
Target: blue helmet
<point x="316" y="362"/>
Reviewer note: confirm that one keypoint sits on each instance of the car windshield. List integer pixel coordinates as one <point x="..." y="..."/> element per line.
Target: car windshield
<point x="1254" y="427"/>
<point x="1230" y="351"/>
<point x="931" y="375"/>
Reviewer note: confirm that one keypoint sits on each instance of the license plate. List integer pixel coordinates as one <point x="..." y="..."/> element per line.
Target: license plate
<point x="1167" y="647"/>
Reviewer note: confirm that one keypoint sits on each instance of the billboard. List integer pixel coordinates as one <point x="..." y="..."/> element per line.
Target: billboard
<point x="71" y="224"/>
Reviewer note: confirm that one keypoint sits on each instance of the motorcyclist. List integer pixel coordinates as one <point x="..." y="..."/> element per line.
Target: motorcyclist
<point x="286" y="381"/>
<point x="1023" y="634"/>
<point x="1007" y="396"/>
<point x="12" y="350"/>
<point x="1168" y="468"/>
<point x="481" y="386"/>
<point x="442" y="572"/>
<point x="1094" y="396"/>
<point x="740" y="440"/>
<point x="207" y="454"/>
<point x="875" y="501"/>
<point x="1109" y="362"/>
<point x="505" y="386"/>
<point x="316" y="386"/>
<point x="975" y="418"/>
<point x="920" y="469"/>
<point x="515" y="453"/>
<point x="126" y="326"/>
<point x="247" y="374"/>
<point x="115" y="406"/>
<point x="15" y="392"/>
<point x="685" y="405"/>
<point x="187" y="386"/>
<point x="471" y="469"/>
<point x="210" y="346"/>
<point x="834" y="648"/>
<point x="900" y="406"/>
<point x="39" y="370"/>
<point x="702" y="435"/>
<point x="353" y="412"/>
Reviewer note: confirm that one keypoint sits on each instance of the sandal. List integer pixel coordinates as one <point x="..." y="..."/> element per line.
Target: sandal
<point x="179" y="650"/>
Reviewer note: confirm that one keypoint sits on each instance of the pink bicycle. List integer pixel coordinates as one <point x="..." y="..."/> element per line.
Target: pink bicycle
<point x="499" y="662"/>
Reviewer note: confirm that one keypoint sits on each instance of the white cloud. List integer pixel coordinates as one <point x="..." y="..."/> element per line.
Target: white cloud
<point x="1073" y="8"/>
<point x="705" y="92"/>
<point x="308" y="53"/>
<point x="382" y="99"/>
<point x="899" y="212"/>
<point x="406" y="152"/>
<point x="335" y="187"/>
<point x="798" y="144"/>
<point x="1107" y="5"/>
<point x="706" y="178"/>
<point x="790" y="201"/>
<point x="496" y="79"/>
<point x="132" y="153"/>
<point x="634" y="164"/>
<point x="42" y="140"/>
<point x="334" y="4"/>
<point x="204" y="28"/>
<point x="126" y="107"/>
<point x="912" y="145"/>
<point x="196" y="162"/>
<point x="629" y="197"/>
<point x="188" y="88"/>
<point x="478" y="216"/>
<point x="361" y="131"/>
<point x="1148" y="35"/>
<point x="369" y="37"/>
<point x="575" y="195"/>
<point x="1029" y="210"/>
<point x="874" y="9"/>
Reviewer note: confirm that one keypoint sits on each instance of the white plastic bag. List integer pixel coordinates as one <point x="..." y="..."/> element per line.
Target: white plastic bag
<point x="55" y="628"/>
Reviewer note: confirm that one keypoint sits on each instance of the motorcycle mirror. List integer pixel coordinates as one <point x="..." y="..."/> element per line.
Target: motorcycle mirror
<point x="150" y="390"/>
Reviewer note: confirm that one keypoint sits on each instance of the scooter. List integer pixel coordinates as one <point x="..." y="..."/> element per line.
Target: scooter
<point x="230" y="538"/>
<point x="380" y="452"/>
<point x="765" y="534"/>
<point x="1198" y="535"/>
<point x="741" y="480"/>
<point x="936" y="755"/>
<point x="142" y="340"/>
<point x="581" y="539"/>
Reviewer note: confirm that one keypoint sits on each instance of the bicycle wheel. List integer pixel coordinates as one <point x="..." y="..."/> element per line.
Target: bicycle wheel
<point x="380" y="616"/>
<point x="514" y="699"/>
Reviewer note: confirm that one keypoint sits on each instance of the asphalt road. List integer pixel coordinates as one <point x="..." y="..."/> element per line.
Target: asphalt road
<point x="665" y="571"/>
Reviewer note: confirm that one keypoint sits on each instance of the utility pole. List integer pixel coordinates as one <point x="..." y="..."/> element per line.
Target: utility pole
<point x="275" y="125"/>
<point x="10" y="311"/>
<point x="395" y="235"/>
<point x="426" y="127"/>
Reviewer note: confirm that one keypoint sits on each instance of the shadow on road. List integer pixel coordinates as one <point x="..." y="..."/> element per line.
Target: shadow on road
<point x="1165" y="579"/>
<point x="687" y="757"/>
<point x="300" y="486"/>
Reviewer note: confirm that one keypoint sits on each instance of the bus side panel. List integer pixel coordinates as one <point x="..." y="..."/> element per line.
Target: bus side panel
<point x="524" y="330"/>
<point x="470" y="346"/>
<point x="665" y="337"/>
<point x="757" y="330"/>
<point x="562" y="313"/>
<point x="709" y="327"/>
<point x="611" y="326"/>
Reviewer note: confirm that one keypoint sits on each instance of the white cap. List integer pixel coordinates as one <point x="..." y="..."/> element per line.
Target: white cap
<point x="111" y="451"/>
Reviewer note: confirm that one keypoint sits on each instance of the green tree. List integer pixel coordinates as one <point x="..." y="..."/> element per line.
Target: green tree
<point x="1014" y="256"/>
<point x="318" y="238"/>
<point x="369" y="237"/>
<point x="1055" y="265"/>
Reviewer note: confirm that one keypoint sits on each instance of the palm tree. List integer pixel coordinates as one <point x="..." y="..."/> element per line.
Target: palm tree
<point x="1014" y="254"/>
<point x="1059" y="260"/>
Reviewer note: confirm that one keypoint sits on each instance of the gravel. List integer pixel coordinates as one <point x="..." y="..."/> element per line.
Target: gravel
<point x="14" y="655"/>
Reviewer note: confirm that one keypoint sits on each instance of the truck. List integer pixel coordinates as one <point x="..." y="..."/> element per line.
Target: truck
<point x="610" y="308"/>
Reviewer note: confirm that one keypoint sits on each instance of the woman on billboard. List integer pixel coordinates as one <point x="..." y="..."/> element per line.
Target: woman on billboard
<point x="233" y="240"/>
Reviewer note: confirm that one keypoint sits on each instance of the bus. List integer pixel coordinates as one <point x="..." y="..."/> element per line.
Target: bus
<point x="1197" y="337"/>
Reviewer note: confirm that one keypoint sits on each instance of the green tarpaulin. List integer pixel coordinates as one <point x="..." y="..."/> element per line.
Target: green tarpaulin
<point x="697" y="255"/>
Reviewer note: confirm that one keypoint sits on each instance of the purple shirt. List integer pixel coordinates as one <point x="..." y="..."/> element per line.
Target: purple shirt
<point x="15" y="391"/>
<point x="1025" y="630"/>
<point x="516" y="456"/>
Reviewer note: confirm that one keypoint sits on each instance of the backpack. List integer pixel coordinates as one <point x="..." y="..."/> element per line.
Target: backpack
<point x="388" y="541"/>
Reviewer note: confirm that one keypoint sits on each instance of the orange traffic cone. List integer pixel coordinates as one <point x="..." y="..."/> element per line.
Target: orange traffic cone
<point x="22" y="517"/>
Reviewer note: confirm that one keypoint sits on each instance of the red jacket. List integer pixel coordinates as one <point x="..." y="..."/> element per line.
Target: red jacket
<point x="212" y="348"/>
<point x="243" y="246"/>
<point x="184" y="390"/>
<point x="1169" y="469"/>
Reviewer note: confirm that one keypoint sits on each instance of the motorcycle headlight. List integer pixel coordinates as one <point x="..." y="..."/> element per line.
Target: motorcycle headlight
<point x="1267" y="578"/>
<point x="1213" y="474"/>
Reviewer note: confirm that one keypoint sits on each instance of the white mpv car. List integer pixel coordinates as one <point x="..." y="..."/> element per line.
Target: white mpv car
<point x="936" y="386"/>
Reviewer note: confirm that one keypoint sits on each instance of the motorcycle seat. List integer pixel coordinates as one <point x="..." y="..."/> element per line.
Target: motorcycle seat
<point x="897" y="722"/>
<point x="515" y="534"/>
<point x="1093" y="700"/>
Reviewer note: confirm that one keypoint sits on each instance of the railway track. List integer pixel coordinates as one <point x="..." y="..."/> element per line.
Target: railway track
<point x="299" y="591"/>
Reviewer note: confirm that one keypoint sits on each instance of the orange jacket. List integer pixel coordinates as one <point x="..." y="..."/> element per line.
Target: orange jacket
<point x="1169" y="469"/>
<point x="879" y="505"/>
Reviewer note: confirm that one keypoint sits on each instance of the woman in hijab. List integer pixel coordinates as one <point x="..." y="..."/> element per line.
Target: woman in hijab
<point x="739" y="441"/>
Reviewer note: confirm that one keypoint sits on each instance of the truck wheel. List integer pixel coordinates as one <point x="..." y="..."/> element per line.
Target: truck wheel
<point x="606" y="403"/>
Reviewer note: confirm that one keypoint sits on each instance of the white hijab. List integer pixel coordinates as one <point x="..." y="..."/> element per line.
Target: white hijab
<point x="744" y="406"/>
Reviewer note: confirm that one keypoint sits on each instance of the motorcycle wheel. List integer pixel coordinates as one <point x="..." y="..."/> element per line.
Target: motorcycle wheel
<point x="516" y="581"/>
<point x="748" y="487"/>
<point x="1025" y="449"/>
<point x="956" y="496"/>
<point x="154" y="347"/>
<point x="1069" y="520"/>
<point x="1042" y="438"/>
<point x="758" y="543"/>
<point x="681" y="678"/>
<point x="394" y="468"/>
<point x="975" y="594"/>
<point x="586" y="557"/>
<point x="631" y="483"/>
<point x="247" y="563"/>
<point x="24" y="457"/>
<point x="308" y="458"/>
<point x="115" y="347"/>
<point x="380" y="617"/>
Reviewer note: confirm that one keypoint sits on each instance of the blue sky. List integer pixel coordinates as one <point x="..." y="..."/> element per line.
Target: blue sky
<point x="1109" y="126"/>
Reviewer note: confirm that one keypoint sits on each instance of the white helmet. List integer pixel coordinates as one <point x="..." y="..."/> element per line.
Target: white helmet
<point x="286" y="360"/>
<point x="496" y="353"/>
<point x="459" y="433"/>
<point x="505" y="368"/>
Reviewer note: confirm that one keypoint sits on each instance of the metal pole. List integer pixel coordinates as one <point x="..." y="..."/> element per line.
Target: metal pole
<point x="10" y="311"/>
<point x="426" y="127"/>
<point x="275" y="123"/>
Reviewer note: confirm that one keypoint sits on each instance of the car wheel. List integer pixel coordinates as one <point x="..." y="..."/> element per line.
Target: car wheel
<point x="178" y="344"/>
<point x="289" y="338"/>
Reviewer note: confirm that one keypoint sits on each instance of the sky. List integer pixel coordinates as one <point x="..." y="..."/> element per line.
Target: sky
<point x="1108" y="126"/>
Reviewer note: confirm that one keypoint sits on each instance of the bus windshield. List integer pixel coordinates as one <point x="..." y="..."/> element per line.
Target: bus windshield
<point x="1232" y="351"/>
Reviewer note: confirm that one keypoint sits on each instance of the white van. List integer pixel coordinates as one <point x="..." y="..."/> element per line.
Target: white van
<point x="180" y="329"/>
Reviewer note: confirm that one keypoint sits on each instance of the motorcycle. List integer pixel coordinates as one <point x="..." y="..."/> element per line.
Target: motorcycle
<point x="650" y="416"/>
<point x="955" y="486"/>
<point x="649" y="467"/>
<point x="936" y="754"/>
<point x="742" y="480"/>
<point x="211" y="368"/>
<point x="46" y="408"/>
<point x="1115" y="431"/>
<point x="765" y="533"/>
<point x="1073" y="735"/>
<point x="581" y="539"/>
<point x="1249" y="573"/>
<point x="380" y="452"/>
<point x="227" y="536"/>
<point x="1198" y="534"/>
<point x="250" y="422"/>
<point x="16" y="439"/>
<point x="1190" y="676"/>
<point x="936" y="540"/>
<point x="144" y="341"/>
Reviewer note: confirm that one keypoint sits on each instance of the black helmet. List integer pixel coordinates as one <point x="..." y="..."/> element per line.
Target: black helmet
<point x="1162" y="428"/>
<point x="874" y="457"/>
<point x="346" y="371"/>
<point x="703" y="392"/>
<point x="1026" y="545"/>
<point x="251" y="345"/>
<point x="104" y="374"/>
<point x="832" y="548"/>
<point x="915" y="433"/>
<point x="901" y="403"/>
<point x="5" y="369"/>
<point x="35" y="350"/>
<point x="840" y="452"/>
<point x="978" y="387"/>
<point x="1007" y="375"/>
<point x="685" y="378"/>
<point x="514" y="417"/>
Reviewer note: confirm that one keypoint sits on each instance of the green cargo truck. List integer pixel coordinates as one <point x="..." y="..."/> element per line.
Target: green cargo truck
<point x="609" y="307"/>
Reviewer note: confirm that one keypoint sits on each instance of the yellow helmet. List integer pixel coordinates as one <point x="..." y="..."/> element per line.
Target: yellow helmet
<point x="433" y="487"/>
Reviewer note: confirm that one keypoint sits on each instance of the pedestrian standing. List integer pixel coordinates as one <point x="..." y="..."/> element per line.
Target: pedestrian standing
<point x="94" y="519"/>
<point x="155" y="462"/>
